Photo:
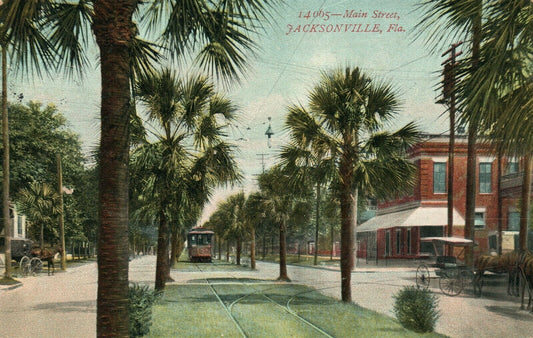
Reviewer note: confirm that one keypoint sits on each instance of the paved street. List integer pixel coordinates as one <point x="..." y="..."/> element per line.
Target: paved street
<point x="64" y="305"/>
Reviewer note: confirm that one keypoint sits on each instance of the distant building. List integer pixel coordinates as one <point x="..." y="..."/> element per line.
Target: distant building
<point x="399" y="224"/>
<point x="19" y="244"/>
<point x="18" y="224"/>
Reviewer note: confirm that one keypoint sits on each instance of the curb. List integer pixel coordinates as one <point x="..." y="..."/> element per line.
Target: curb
<point x="11" y="287"/>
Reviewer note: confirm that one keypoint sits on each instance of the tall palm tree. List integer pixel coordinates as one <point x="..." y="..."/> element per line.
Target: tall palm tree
<point x="189" y="157"/>
<point x="237" y="223"/>
<point x="506" y="95"/>
<point x="495" y="87"/>
<point x="21" y="36"/>
<point x="345" y="106"/>
<point x="220" y="31"/>
<point x="255" y="214"/>
<point x="309" y="166"/>
<point x="277" y="202"/>
<point x="462" y="20"/>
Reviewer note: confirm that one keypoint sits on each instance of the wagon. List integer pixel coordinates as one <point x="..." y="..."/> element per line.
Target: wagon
<point x="452" y="275"/>
<point x="21" y="254"/>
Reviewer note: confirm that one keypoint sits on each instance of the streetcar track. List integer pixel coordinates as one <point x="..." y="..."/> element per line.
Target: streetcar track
<point x="285" y="308"/>
<point x="233" y="319"/>
<point x="230" y="308"/>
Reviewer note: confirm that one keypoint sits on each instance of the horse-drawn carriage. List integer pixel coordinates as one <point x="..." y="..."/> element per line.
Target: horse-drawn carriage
<point x="30" y="261"/>
<point x="452" y="275"/>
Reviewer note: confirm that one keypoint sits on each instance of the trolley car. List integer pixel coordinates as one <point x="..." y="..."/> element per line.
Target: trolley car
<point x="199" y="245"/>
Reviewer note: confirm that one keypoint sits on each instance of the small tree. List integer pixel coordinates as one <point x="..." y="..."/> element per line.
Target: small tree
<point x="40" y="203"/>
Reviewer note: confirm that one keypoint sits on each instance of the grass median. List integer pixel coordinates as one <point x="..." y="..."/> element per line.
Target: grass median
<point x="234" y="307"/>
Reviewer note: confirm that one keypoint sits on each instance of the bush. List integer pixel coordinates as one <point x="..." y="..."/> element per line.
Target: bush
<point x="141" y="299"/>
<point x="416" y="309"/>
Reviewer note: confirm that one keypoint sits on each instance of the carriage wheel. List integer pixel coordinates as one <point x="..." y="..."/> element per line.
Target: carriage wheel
<point x="422" y="276"/>
<point x="25" y="267"/>
<point x="451" y="283"/>
<point x="36" y="265"/>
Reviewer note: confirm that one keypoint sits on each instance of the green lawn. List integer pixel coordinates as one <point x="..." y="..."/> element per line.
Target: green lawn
<point x="264" y="309"/>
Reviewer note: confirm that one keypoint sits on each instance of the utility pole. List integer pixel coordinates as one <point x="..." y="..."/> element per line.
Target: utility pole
<point x="8" y="229"/>
<point x="262" y="161"/>
<point x="269" y="132"/>
<point x="60" y="217"/>
<point x="448" y="91"/>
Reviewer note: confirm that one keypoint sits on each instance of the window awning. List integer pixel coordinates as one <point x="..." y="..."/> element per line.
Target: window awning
<point x="415" y="217"/>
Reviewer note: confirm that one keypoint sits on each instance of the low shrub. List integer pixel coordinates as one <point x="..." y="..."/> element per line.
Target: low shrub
<point x="141" y="299"/>
<point x="416" y="309"/>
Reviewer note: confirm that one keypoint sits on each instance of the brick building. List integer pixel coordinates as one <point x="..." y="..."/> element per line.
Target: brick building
<point x="399" y="224"/>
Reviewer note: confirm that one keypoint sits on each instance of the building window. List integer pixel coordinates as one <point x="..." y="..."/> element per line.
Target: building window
<point x="20" y="225"/>
<point x="513" y="221"/>
<point x="398" y="242"/>
<point x="387" y="243"/>
<point x="409" y="251"/>
<point x="511" y="168"/>
<point x="485" y="178"/>
<point x="479" y="220"/>
<point x="439" y="178"/>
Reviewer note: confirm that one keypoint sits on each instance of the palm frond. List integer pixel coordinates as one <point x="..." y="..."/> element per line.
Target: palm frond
<point x="70" y="26"/>
<point x="22" y="33"/>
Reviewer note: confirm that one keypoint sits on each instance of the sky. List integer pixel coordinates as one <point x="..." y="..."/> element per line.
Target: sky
<point x="303" y="39"/>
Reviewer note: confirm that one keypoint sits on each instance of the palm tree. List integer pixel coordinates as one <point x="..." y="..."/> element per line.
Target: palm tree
<point x="309" y="166"/>
<point x="236" y="221"/>
<point x="460" y="20"/>
<point x="219" y="30"/>
<point x="189" y="157"/>
<point x="279" y="199"/>
<point x="506" y="95"/>
<point x="344" y="107"/>
<point x="40" y="203"/>
<point x="495" y="88"/>
<point x="255" y="215"/>
<point x="21" y="35"/>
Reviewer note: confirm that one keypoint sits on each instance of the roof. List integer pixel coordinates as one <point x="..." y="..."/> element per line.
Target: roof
<point x="200" y="230"/>
<point x="457" y="241"/>
<point x="415" y="217"/>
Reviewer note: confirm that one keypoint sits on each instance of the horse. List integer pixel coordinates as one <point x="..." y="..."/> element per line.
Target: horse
<point x="47" y="255"/>
<point x="506" y="263"/>
<point x="525" y="267"/>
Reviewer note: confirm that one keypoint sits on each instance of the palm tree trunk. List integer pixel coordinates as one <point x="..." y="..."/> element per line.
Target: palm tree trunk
<point x="162" y="270"/>
<point x="5" y="168"/>
<point x="219" y="243"/>
<point x="180" y="246"/>
<point x="174" y="247"/>
<point x="252" y="249"/>
<point x="315" y="262"/>
<point x="500" y="205"/>
<point x="227" y="250"/>
<point x="282" y="253"/>
<point x="239" y="249"/>
<point x="348" y="217"/>
<point x="472" y="149"/>
<point x="332" y="243"/>
<point x="451" y="159"/>
<point x="41" y="237"/>
<point x="112" y="27"/>
<point x="264" y="246"/>
<point x="526" y="202"/>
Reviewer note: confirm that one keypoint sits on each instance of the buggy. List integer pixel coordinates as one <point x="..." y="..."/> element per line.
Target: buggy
<point x="451" y="273"/>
